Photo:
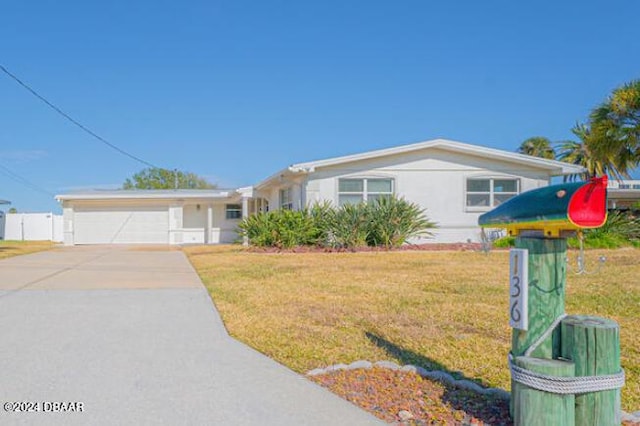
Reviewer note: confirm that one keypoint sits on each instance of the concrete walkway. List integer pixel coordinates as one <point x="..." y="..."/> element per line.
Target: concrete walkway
<point x="132" y="334"/>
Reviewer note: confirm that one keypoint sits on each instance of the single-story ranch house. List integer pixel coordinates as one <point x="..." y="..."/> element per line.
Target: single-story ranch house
<point x="455" y="182"/>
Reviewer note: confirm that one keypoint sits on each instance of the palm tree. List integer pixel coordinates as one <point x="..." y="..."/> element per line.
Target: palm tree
<point x="615" y="126"/>
<point x="537" y="146"/>
<point x="578" y="152"/>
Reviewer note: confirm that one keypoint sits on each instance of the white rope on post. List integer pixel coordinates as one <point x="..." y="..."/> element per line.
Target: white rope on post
<point x="562" y="385"/>
<point x="565" y="385"/>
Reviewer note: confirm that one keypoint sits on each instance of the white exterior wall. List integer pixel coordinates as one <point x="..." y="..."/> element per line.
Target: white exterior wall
<point x="224" y="229"/>
<point x="298" y="194"/>
<point x="434" y="179"/>
<point x="33" y="227"/>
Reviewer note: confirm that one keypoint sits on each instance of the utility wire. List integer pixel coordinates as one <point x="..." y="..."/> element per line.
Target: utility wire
<point x="72" y="120"/>
<point x="16" y="177"/>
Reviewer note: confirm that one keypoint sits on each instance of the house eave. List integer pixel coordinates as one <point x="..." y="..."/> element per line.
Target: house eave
<point x="555" y="168"/>
<point x="284" y="173"/>
<point x="147" y="195"/>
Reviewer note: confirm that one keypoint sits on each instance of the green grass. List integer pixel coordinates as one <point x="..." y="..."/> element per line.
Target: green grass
<point x="17" y="248"/>
<point x="445" y="310"/>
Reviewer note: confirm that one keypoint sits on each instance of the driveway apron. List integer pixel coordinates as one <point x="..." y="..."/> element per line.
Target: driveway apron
<point x="108" y="335"/>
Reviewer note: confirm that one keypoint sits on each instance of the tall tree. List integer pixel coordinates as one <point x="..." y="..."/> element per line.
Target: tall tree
<point x="537" y="146"/>
<point x="579" y="153"/>
<point x="158" y="178"/>
<point x="615" y="127"/>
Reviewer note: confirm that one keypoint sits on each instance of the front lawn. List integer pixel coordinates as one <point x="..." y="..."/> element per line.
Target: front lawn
<point x="439" y="310"/>
<point x="16" y="248"/>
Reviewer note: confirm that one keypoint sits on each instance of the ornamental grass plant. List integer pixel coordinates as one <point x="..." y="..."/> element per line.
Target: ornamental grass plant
<point x="385" y="222"/>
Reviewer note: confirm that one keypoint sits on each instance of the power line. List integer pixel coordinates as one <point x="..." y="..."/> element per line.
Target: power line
<point x="72" y="120"/>
<point x="16" y="177"/>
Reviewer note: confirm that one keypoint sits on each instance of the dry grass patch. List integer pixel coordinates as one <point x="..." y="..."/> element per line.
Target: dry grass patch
<point x="17" y="248"/>
<point x="440" y="310"/>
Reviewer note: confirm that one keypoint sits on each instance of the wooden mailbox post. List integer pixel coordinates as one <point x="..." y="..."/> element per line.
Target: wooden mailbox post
<point x="565" y="369"/>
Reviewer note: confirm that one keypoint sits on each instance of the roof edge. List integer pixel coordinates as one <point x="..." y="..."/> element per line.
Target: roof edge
<point x="561" y="167"/>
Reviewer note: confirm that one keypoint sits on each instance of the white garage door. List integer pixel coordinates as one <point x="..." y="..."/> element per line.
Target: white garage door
<point x="142" y="225"/>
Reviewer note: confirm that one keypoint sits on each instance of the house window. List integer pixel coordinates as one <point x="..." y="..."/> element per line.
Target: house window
<point x="233" y="211"/>
<point x="485" y="193"/>
<point x="353" y="191"/>
<point x="286" y="200"/>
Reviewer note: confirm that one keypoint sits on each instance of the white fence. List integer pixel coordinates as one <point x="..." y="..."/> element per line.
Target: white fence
<point x="32" y="227"/>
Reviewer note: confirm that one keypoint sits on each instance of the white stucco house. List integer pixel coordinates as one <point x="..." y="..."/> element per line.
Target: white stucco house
<point x="455" y="182"/>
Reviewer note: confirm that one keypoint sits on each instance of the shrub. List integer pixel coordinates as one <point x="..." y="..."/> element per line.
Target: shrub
<point x="386" y="222"/>
<point x="324" y="217"/>
<point x="621" y="229"/>
<point x="281" y="228"/>
<point x="504" y="242"/>
<point x="350" y="228"/>
<point x="393" y="221"/>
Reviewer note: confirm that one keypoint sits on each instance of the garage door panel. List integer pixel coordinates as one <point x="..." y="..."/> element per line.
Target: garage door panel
<point x="121" y="225"/>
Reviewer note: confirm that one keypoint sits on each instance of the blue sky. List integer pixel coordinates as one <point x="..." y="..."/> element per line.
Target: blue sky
<point x="236" y="90"/>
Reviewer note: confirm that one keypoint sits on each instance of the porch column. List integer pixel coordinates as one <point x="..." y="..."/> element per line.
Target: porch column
<point x="207" y="235"/>
<point x="245" y="214"/>
<point x="176" y="216"/>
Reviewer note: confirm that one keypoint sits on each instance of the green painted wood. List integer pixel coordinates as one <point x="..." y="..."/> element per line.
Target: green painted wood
<point x="533" y="407"/>
<point x="547" y="281"/>
<point x="593" y="344"/>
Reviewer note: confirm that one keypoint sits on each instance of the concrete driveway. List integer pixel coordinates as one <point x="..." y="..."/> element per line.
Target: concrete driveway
<point x="129" y="336"/>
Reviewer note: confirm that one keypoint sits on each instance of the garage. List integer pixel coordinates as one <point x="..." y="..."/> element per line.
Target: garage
<point x="180" y="216"/>
<point x="121" y="225"/>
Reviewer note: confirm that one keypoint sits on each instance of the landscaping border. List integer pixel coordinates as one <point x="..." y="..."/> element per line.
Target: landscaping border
<point x="441" y="376"/>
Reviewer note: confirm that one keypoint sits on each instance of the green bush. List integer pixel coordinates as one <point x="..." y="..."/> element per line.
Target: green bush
<point x="393" y="221"/>
<point x="387" y="222"/>
<point x="504" y="242"/>
<point x="350" y="228"/>
<point x="281" y="228"/>
<point x="323" y="216"/>
<point x="621" y="229"/>
<point x="600" y="241"/>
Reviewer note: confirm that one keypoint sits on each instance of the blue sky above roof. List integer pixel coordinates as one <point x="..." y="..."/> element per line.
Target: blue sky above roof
<point x="236" y="90"/>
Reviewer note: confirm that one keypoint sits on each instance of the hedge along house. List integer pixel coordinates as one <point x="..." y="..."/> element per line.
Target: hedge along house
<point x="153" y="216"/>
<point x="455" y="182"/>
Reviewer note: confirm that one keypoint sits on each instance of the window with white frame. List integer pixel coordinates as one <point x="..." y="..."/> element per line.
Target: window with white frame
<point x="286" y="199"/>
<point x="353" y="191"/>
<point x="233" y="211"/>
<point x="486" y="193"/>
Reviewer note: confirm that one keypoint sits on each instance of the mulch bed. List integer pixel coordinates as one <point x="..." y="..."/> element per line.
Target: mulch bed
<point x="406" y="398"/>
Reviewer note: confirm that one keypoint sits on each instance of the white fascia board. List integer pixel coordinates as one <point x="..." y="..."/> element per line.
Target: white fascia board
<point x="246" y="191"/>
<point x="145" y="196"/>
<point x="293" y="169"/>
<point x="555" y="167"/>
